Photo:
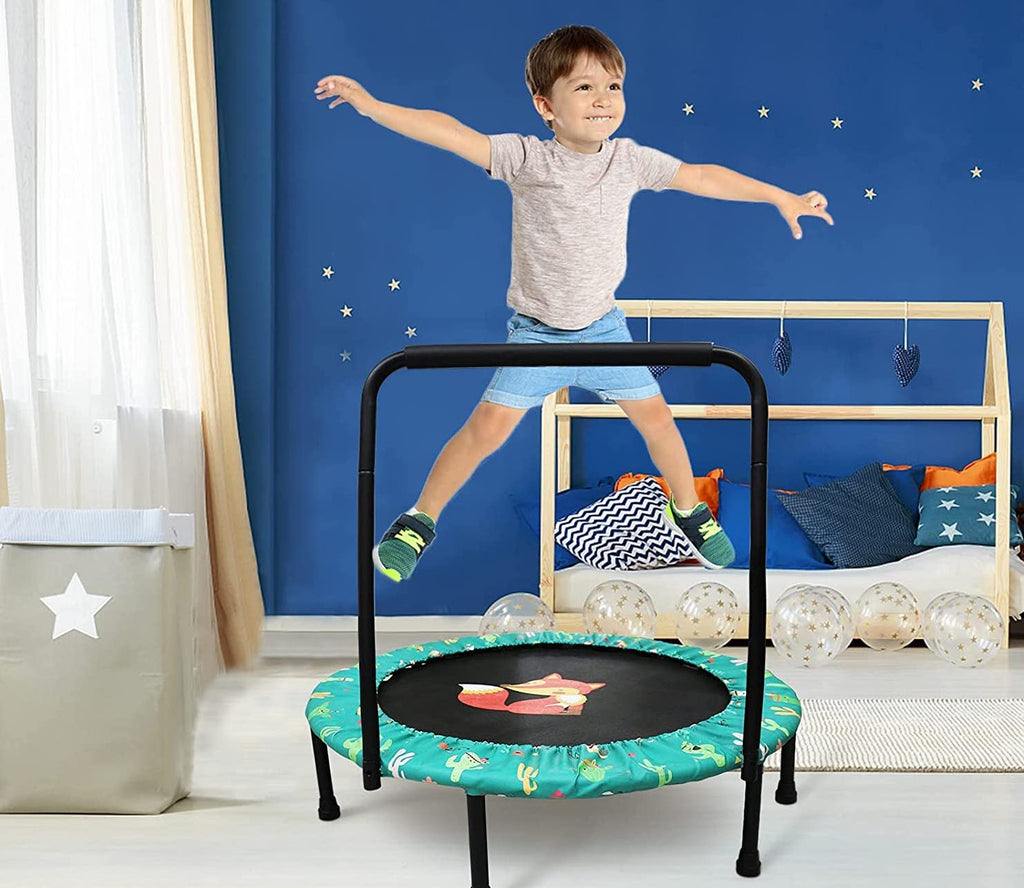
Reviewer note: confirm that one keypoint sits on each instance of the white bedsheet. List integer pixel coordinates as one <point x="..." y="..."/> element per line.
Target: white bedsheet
<point x="965" y="568"/>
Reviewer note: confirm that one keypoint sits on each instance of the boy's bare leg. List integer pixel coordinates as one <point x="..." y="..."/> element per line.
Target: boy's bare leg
<point x="655" y="422"/>
<point x="653" y="419"/>
<point x="487" y="428"/>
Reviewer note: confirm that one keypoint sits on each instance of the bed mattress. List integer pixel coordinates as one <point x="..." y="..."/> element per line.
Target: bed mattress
<point x="964" y="568"/>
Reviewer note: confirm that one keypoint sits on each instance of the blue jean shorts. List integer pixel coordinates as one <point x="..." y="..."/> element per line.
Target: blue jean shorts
<point x="525" y="387"/>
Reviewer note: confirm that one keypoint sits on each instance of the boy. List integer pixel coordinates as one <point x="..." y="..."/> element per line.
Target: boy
<point x="571" y="197"/>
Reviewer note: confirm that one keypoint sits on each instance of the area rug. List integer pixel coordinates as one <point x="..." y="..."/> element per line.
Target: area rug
<point x="936" y="735"/>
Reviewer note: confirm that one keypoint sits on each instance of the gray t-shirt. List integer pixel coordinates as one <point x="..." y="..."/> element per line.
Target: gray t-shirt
<point x="570" y="213"/>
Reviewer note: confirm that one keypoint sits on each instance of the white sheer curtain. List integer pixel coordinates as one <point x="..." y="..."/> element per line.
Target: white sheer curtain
<point x="98" y="350"/>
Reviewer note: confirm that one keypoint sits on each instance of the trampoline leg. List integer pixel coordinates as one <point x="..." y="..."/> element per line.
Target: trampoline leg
<point x="328" y="804"/>
<point x="477" y="841"/>
<point x="749" y="861"/>
<point x="785" y="794"/>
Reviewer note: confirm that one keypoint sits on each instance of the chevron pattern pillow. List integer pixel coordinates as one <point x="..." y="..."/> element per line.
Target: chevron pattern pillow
<point x="626" y="530"/>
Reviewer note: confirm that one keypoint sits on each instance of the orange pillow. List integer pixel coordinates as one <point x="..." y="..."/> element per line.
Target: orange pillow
<point x="981" y="471"/>
<point x="707" y="486"/>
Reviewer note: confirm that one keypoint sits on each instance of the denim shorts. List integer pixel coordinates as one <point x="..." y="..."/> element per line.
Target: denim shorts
<point x="525" y="387"/>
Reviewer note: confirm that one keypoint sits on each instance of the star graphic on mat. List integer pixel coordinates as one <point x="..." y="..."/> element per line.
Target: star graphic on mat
<point x="346" y="356"/>
<point x="346" y="312"/>
<point x="328" y="271"/>
<point x="688" y="110"/>
<point x="75" y="609"/>
<point x="977" y="84"/>
<point x="837" y="123"/>
<point x="410" y="332"/>
<point x="986" y="496"/>
<point x="949" y="504"/>
<point x="949" y="530"/>
<point x="976" y="173"/>
<point x="870" y="194"/>
<point x="945" y="489"/>
<point x="989" y="519"/>
<point x="763" y="111"/>
<point x="394" y="285"/>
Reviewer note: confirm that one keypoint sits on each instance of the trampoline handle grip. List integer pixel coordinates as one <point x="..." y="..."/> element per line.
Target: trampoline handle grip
<point x="575" y="354"/>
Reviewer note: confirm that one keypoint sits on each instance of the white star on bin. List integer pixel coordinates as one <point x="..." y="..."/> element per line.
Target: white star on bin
<point x="870" y="194"/>
<point x="75" y="609"/>
<point x="977" y="84"/>
<point x="346" y="356"/>
<point x="986" y="496"/>
<point x="346" y="312"/>
<point x="989" y="519"/>
<point x="327" y="272"/>
<point x="949" y="530"/>
<point x="976" y="172"/>
<point x="410" y="332"/>
<point x="764" y="112"/>
<point x="949" y="504"/>
<point x="688" y="109"/>
<point x="836" y="122"/>
<point x="394" y="285"/>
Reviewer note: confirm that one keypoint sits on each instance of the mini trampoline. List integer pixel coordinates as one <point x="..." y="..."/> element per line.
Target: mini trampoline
<point x="554" y="714"/>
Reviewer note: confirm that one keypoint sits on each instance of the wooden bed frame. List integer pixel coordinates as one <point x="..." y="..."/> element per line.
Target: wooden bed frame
<point x="993" y="413"/>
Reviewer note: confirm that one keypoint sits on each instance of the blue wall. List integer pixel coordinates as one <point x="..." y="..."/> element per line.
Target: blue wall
<point x="304" y="188"/>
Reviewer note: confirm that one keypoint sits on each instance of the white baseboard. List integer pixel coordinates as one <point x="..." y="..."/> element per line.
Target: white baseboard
<point x="336" y="637"/>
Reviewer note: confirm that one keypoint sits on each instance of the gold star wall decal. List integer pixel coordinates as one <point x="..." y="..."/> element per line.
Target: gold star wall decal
<point x="977" y="84"/>
<point x="688" y="109"/>
<point x="976" y="173"/>
<point x="327" y="272"/>
<point x="870" y="194"/>
<point x="394" y="285"/>
<point x="346" y="312"/>
<point x="410" y="332"/>
<point x="837" y="123"/>
<point x="346" y="356"/>
<point x="763" y="111"/>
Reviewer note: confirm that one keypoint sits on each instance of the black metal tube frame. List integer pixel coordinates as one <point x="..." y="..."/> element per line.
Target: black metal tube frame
<point x="693" y="354"/>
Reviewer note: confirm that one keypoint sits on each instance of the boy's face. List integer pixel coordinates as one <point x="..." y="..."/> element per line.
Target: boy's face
<point x="585" y="106"/>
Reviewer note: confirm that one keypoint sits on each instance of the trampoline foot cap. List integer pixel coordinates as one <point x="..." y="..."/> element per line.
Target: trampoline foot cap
<point x="786" y="795"/>
<point x="748" y="863"/>
<point x="329" y="810"/>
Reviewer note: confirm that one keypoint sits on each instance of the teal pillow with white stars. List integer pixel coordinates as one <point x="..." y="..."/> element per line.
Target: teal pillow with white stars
<point x="959" y="515"/>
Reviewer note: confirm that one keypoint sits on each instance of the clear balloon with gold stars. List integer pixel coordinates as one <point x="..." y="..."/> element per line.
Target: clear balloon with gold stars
<point x="966" y="630"/>
<point x="806" y="627"/>
<point x="619" y="607"/>
<point x="888" y="616"/>
<point x="846" y="621"/>
<point x="517" y="612"/>
<point x="707" y="615"/>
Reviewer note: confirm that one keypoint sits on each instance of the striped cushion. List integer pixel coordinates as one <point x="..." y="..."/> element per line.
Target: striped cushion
<point x="626" y="530"/>
<point x="857" y="521"/>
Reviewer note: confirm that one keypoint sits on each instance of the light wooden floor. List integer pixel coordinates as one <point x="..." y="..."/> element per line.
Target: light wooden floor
<point x="251" y="820"/>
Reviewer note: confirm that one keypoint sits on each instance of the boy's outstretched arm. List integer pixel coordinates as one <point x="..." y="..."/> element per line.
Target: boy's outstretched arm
<point x="710" y="180"/>
<point x="432" y="127"/>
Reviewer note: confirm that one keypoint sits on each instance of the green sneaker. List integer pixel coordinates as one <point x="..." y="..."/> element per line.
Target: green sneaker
<point x="710" y="544"/>
<point x="399" y="550"/>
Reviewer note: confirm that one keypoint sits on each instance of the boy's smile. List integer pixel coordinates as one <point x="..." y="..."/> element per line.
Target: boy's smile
<point x="585" y="106"/>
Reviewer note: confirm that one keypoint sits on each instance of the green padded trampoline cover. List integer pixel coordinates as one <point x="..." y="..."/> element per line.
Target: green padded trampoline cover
<point x="594" y="766"/>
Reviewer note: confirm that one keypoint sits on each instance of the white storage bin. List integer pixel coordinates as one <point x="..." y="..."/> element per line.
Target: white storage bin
<point x="98" y="660"/>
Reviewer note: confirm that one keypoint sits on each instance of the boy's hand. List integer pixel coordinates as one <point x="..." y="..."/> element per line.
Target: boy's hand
<point x="346" y="90"/>
<point x="792" y="206"/>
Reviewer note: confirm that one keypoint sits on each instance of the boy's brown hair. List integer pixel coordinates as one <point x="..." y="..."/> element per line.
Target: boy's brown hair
<point x="554" y="56"/>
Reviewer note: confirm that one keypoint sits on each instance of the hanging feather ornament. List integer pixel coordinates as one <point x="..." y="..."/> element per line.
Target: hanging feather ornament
<point x="657" y="369"/>
<point x="782" y="349"/>
<point x="906" y="360"/>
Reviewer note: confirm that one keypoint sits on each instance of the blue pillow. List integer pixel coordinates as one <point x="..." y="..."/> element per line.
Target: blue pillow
<point x="566" y="502"/>
<point x="906" y="482"/>
<point x="787" y="545"/>
<point x="857" y="521"/>
<point x="959" y="515"/>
